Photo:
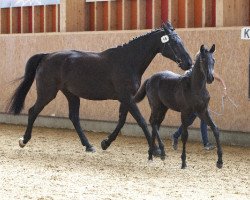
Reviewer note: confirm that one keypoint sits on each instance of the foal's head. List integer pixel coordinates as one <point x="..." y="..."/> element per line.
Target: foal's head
<point x="174" y="48"/>
<point x="206" y="62"/>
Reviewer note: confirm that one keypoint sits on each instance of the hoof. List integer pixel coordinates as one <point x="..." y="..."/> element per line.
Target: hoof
<point x="157" y="152"/>
<point x="90" y="149"/>
<point x="163" y="157"/>
<point x="104" y="144"/>
<point x="21" y="143"/>
<point x="184" y="166"/>
<point x="219" y="165"/>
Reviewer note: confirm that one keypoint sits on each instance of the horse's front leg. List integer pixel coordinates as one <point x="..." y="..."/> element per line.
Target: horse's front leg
<point x="206" y="117"/>
<point x="133" y="109"/>
<point x="123" y="111"/>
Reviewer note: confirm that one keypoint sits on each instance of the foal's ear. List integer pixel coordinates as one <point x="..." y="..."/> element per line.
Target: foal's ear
<point x="212" y="49"/>
<point x="202" y="49"/>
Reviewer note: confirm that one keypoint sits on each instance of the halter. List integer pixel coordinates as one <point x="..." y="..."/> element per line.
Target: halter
<point x="168" y="43"/>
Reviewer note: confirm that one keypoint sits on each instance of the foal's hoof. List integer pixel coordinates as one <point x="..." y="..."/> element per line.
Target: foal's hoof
<point x="21" y="143"/>
<point x="219" y="165"/>
<point x="104" y="144"/>
<point x="90" y="149"/>
<point x="163" y="157"/>
<point x="184" y="166"/>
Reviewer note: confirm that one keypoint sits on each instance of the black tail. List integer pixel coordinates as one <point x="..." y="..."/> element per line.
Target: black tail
<point x="141" y="93"/>
<point x="16" y="102"/>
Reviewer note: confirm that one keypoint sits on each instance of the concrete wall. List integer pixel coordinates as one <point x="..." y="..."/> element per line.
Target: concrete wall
<point x="232" y="63"/>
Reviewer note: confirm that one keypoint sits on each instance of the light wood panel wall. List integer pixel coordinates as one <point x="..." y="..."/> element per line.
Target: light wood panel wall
<point x="233" y="67"/>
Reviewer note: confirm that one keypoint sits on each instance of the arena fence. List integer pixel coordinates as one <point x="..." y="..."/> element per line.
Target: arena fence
<point x="90" y="15"/>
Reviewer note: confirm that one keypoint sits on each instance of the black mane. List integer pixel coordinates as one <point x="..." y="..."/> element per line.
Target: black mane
<point x="137" y="38"/>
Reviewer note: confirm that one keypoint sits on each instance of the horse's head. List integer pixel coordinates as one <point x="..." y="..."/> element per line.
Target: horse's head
<point x="206" y="59"/>
<point x="173" y="47"/>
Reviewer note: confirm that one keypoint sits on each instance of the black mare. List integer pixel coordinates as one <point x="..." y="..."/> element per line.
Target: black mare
<point x="111" y="74"/>
<point x="186" y="94"/>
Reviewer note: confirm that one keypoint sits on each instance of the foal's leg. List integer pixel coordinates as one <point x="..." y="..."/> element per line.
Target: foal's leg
<point x="123" y="111"/>
<point x="206" y="117"/>
<point x="74" y="104"/>
<point x="184" y="138"/>
<point x="43" y="98"/>
<point x="156" y="118"/>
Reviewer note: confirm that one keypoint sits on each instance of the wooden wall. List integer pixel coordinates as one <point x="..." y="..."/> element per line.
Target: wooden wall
<point x="78" y="15"/>
<point x="232" y="63"/>
<point x="31" y="19"/>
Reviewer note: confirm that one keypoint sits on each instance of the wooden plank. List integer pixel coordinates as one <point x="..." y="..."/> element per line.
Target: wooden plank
<point x="92" y="16"/>
<point x="197" y="13"/>
<point x="228" y="13"/>
<point x="106" y="15"/>
<point x="119" y="14"/>
<point x="0" y="20"/>
<point x="164" y="10"/>
<point x="157" y="21"/>
<point x="126" y="17"/>
<point x="219" y="13"/>
<point x="75" y="15"/>
<point x="213" y="23"/>
<point x="189" y="13"/>
<point x="149" y="13"/>
<point x="54" y="18"/>
<point x="37" y="19"/>
<point x="42" y="19"/>
<point x="58" y="17"/>
<point x="133" y="14"/>
<point x="99" y="16"/>
<point x="49" y="24"/>
<point x="16" y="20"/>
<point x="207" y="13"/>
<point x="141" y="14"/>
<point x="30" y="11"/>
<point x="242" y="12"/>
<point x="173" y="15"/>
<point x="181" y="13"/>
<point x="63" y="15"/>
<point x="86" y="16"/>
<point x="5" y="22"/>
<point x="25" y="20"/>
<point x="113" y="15"/>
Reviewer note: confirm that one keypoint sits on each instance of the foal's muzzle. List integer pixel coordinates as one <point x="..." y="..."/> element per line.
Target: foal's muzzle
<point x="210" y="79"/>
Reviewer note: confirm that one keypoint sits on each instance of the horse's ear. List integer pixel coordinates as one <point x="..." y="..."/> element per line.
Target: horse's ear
<point x="202" y="49"/>
<point x="167" y="26"/>
<point x="212" y="49"/>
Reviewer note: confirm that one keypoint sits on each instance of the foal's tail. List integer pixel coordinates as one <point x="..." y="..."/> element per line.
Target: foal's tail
<point x="16" y="102"/>
<point x="141" y="93"/>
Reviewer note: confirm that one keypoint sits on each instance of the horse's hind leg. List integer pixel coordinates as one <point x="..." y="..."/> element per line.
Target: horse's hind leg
<point x="206" y="117"/>
<point x="74" y="104"/>
<point x="42" y="100"/>
<point x="123" y="111"/>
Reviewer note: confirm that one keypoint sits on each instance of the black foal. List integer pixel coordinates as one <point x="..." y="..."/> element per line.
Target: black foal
<point x="186" y="94"/>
